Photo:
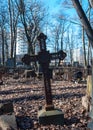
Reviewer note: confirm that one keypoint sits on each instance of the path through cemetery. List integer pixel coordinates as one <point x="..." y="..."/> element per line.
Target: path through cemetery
<point x="28" y="97"/>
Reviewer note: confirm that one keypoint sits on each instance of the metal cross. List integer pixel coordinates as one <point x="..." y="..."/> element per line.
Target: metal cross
<point x="44" y="58"/>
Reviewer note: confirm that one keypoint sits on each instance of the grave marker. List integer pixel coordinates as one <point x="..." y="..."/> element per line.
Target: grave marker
<point x="49" y="114"/>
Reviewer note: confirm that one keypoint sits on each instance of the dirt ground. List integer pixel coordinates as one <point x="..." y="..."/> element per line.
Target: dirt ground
<point x="27" y="96"/>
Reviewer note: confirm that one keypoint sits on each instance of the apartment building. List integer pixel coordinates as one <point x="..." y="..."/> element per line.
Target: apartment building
<point x="21" y="42"/>
<point x="78" y="55"/>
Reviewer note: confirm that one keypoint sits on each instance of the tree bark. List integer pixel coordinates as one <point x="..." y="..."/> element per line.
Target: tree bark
<point x="84" y="20"/>
<point x="91" y="3"/>
<point x="3" y="44"/>
<point x="84" y="48"/>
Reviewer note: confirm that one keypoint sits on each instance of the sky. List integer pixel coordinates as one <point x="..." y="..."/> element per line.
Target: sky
<point x="53" y="5"/>
<point x="57" y="7"/>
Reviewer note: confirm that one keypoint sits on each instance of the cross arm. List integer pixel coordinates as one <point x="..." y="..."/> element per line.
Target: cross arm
<point x="58" y="55"/>
<point x="27" y="59"/>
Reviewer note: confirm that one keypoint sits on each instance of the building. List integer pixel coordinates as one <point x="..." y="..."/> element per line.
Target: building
<point x="78" y="55"/>
<point x="21" y="42"/>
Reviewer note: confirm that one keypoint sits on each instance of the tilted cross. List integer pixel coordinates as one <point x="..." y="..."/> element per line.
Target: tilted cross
<point x="44" y="58"/>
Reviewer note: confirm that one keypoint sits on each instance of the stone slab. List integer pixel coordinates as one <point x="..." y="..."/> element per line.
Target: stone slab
<point x="89" y="86"/>
<point x="54" y="116"/>
<point x="85" y="102"/>
<point x="8" y="122"/>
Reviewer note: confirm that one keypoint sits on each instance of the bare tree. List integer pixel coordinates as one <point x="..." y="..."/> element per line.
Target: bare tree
<point x="63" y="28"/>
<point x="84" y="48"/>
<point x="3" y="26"/>
<point x="89" y="56"/>
<point x="70" y="43"/>
<point x="31" y="16"/>
<point x="56" y="36"/>
<point x="85" y="23"/>
<point x="13" y="21"/>
<point x="84" y="20"/>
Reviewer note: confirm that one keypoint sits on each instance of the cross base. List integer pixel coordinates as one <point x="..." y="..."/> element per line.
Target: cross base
<point x="54" y="116"/>
<point x="49" y="107"/>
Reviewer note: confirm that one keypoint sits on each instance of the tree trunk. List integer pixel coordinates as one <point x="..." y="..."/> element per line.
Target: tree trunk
<point x="89" y="56"/>
<point x="84" y="49"/>
<point x="11" y="28"/>
<point x="91" y="3"/>
<point x="84" y="20"/>
<point x="3" y="57"/>
<point x="62" y="41"/>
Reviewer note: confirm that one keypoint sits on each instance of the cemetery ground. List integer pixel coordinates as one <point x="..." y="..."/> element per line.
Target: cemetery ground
<point x="27" y="96"/>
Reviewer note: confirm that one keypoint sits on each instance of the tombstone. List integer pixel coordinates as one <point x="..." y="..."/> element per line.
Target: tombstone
<point x="7" y="117"/>
<point x="0" y="61"/>
<point x="87" y="98"/>
<point x="75" y="64"/>
<point x="77" y="76"/>
<point x="49" y="114"/>
<point x="10" y="63"/>
<point x="90" y="94"/>
<point x="29" y="73"/>
<point x="1" y="80"/>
